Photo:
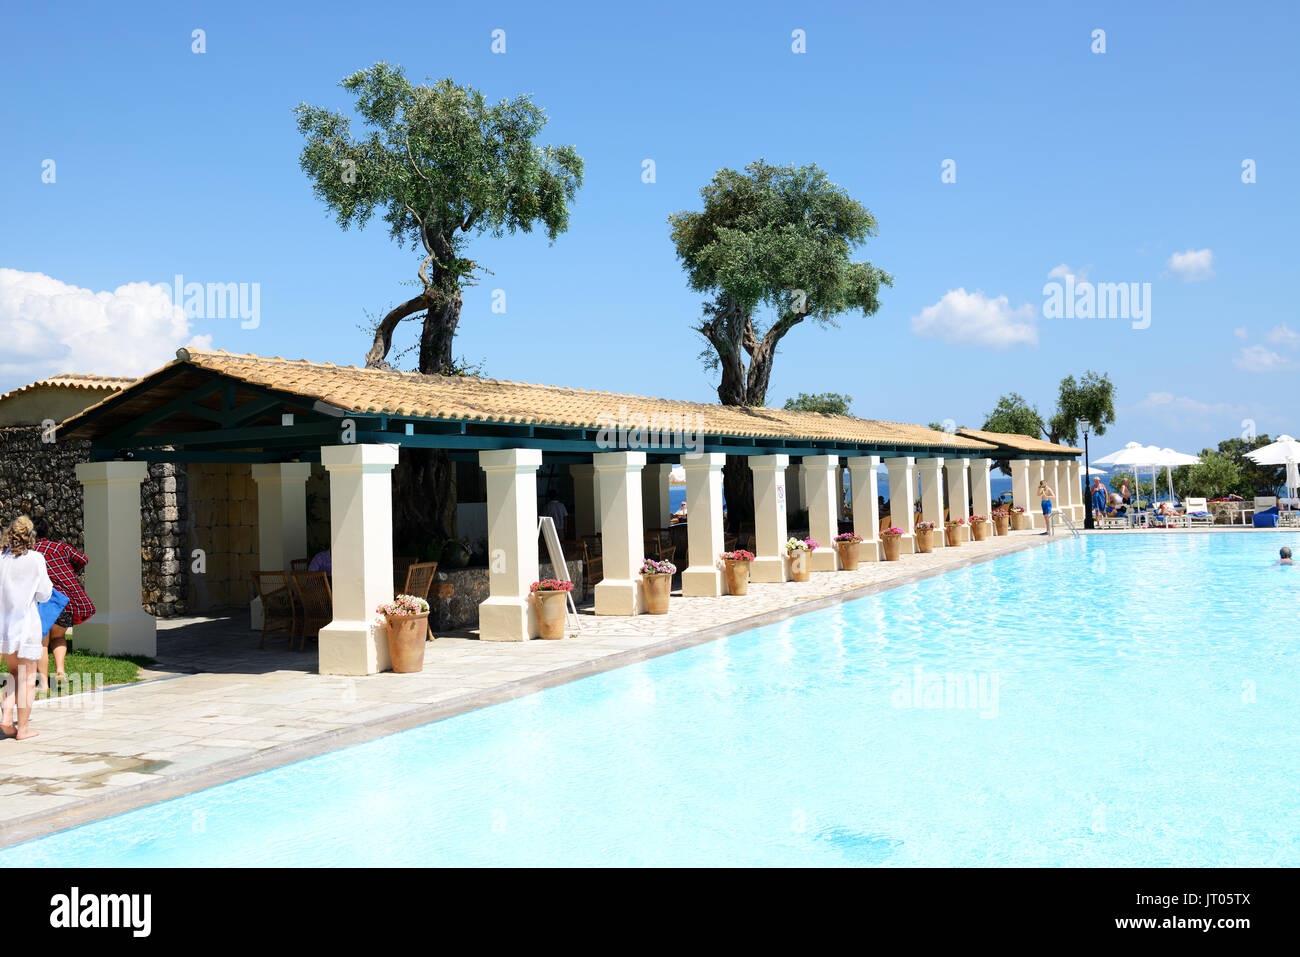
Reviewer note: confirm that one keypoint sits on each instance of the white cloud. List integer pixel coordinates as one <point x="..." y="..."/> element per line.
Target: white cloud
<point x="1192" y="264"/>
<point x="49" y="326"/>
<point x="1260" y="359"/>
<point x="1240" y="332"/>
<point x="1185" y="405"/>
<point x="1063" y="271"/>
<point x="1283" y="335"/>
<point x="973" y="319"/>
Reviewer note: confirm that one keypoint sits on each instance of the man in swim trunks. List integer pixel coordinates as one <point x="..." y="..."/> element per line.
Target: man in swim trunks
<point x="1046" y="494"/>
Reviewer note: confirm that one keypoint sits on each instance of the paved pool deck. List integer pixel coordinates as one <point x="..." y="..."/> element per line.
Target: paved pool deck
<point x="216" y="707"/>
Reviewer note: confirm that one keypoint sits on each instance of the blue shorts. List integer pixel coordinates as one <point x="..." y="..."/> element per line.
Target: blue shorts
<point x="1047" y="506"/>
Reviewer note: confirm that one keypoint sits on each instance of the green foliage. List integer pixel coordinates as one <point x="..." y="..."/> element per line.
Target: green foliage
<point x="1014" y="415"/>
<point x="1136" y="488"/>
<point x="1253" y="478"/>
<point x="777" y="239"/>
<point x="831" y="403"/>
<point x="1091" y="398"/>
<point x="1217" y="475"/>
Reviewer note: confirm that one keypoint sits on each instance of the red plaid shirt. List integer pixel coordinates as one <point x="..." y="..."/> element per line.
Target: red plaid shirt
<point x="63" y="562"/>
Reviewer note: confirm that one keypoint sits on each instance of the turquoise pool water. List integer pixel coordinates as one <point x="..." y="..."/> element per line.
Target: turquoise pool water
<point x="1126" y="700"/>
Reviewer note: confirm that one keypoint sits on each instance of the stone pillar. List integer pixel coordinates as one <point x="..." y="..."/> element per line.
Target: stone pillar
<point x="770" y="563"/>
<point x="111" y="520"/>
<point x="1078" y="499"/>
<point x="361" y="552"/>
<point x="703" y="577"/>
<point x="1037" y="473"/>
<point x="821" y="480"/>
<point x="655" y="509"/>
<point x="508" y="613"/>
<point x="981" y="488"/>
<point x="902" y="493"/>
<point x="281" y="520"/>
<point x="1021" y="489"/>
<point x="586" y="500"/>
<point x="931" y="476"/>
<point x="622" y="544"/>
<point x="866" y="506"/>
<point x="959" y="494"/>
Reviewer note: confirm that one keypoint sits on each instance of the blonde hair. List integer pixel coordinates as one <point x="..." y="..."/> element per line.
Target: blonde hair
<point x="20" y="536"/>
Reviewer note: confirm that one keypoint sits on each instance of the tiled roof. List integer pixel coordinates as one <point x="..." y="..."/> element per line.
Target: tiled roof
<point x="476" y="400"/>
<point x="1021" y="443"/>
<point x="76" y="380"/>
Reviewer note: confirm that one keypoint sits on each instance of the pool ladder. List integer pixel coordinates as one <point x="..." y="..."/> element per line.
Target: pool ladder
<point x="1070" y="523"/>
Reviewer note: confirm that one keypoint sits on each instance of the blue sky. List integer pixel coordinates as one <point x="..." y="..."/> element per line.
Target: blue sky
<point x="1122" y="166"/>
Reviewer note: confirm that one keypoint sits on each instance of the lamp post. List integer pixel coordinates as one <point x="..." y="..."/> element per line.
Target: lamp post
<point x="1085" y="426"/>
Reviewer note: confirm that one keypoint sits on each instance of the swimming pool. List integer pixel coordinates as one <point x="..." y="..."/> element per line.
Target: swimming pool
<point x="1123" y="700"/>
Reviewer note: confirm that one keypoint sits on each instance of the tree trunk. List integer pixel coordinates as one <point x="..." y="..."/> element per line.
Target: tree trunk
<point x="738" y="492"/>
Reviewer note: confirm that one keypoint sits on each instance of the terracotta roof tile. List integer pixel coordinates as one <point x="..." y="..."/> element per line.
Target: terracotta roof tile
<point x="76" y="380"/>
<point x="1021" y="443"/>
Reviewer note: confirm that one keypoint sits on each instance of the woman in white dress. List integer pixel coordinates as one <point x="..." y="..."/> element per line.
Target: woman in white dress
<point x="24" y="583"/>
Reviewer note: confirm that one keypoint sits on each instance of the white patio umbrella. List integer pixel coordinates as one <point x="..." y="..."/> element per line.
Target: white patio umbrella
<point x="1285" y="451"/>
<point x="1170" y="460"/>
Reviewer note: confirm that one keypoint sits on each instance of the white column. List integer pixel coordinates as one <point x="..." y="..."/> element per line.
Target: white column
<point x="361" y="553"/>
<point x="959" y="494"/>
<point x="655" y="510"/>
<point x="1021" y="488"/>
<point x="866" y="506"/>
<point x="111" y="519"/>
<point x="1077" y="500"/>
<point x="621" y="533"/>
<point x="770" y="564"/>
<point x="1036" y="475"/>
<point x="508" y="613"/>
<point x="821" y="480"/>
<point x="1051" y="477"/>
<point x="704" y="540"/>
<point x="930" y="472"/>
<point x="902" y="493"/>
<point x="981" y="488"/>
<point x="586" y="500"/>
<point x="281" y="520"/>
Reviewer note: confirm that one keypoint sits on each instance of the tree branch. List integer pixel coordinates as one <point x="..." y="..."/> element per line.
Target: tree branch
<point x="384" y="330"/>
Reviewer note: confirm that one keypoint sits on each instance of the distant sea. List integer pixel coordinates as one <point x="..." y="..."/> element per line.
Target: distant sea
<point x="999" y="483"/>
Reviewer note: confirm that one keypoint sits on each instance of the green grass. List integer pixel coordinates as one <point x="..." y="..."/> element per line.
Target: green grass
<point x="117" y="669"/>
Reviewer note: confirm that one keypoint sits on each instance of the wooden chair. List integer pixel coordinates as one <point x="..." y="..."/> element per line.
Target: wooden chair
<point x="299" y="564"/>
<point x="419" y="578"/>
<point x="317" y="603"/>
<point x="400" y="565"/>
<point x="279" y="610"/>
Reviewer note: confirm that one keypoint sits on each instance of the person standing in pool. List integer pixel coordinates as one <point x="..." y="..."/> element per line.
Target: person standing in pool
<point x="64" y="563"/>
<point x="1046" y="494"/>
<point x="1284" y="556"/>
<point x="24" y="584"/>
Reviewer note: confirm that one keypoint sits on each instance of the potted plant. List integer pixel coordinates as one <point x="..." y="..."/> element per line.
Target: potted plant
<point x="657" y="578"/>
<point x="551" y="596"/>
<point x="407" y="618"/>
<point x="455" y="553"/>
<point x="925" y="537"/>
<point x="1019" y="520"/>
<point x="847" y="543"/>
<point x="737" y="564"/>
<point x="1000" y="520"/>
<point x="953" y="529"/>
<point x="799" y="549"/>
<point x="891" y="540"/>
<point x="979" y="528"/>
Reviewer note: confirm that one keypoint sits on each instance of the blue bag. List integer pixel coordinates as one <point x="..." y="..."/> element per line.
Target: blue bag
<point x="50" y="610"/>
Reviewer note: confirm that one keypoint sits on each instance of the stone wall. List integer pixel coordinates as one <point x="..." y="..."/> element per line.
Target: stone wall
<point x="165" y="567"/>
<point x="460" y="612"/>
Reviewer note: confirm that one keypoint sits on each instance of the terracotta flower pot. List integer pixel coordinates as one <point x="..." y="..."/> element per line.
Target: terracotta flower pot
<point x="953" y="536"/>
<point x="849" y="552"/>
<point x="1000" y="524"/>
<point x="892" y="546"/>
<point x="800" y="570"/>
<point x="737" y="577"/>
<point x="979" y="531"/>
<point x="551" y="606"/>
<point x="925" y="540"/>
<point x="1019" y="521"/>
<point x="657" y="589"/>
<point x="406" y="642"/>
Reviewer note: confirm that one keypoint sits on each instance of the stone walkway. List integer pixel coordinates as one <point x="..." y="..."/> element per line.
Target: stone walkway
<point x="217" y="707"/>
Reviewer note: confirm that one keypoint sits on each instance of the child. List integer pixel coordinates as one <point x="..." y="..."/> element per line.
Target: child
<point x="63" y="563"/>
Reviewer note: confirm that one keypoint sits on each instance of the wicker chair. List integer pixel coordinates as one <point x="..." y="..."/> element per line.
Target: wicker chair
<point x="279" y="609"/>
<point x="401" y="564"/>
<point x="317" y="603"/>
<point x="299" y="564"/>
<point x="419" y="579"/>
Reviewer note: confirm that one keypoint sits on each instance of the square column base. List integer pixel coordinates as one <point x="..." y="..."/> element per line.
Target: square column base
<point x="129" y="633"/>
<point x="354" y="648"/>
<point x="871" y="551"/>
<point x="702" y="582"/>
<point x="769" y="569"/>
<point x="825" y="559"/>
<point x="503" y="618"/>
<point x="906" y="545"/>
<point x="615" y="597"/>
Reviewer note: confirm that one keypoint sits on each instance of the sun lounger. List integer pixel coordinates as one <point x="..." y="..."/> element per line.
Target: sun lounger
<point x="1198" y="512"/>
